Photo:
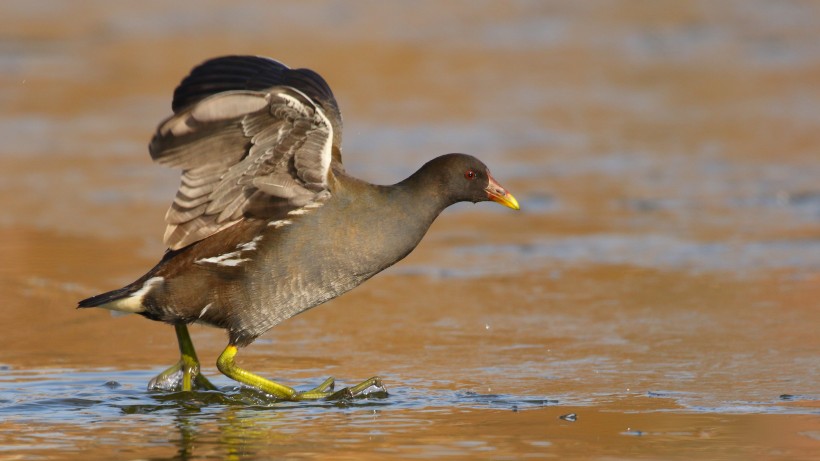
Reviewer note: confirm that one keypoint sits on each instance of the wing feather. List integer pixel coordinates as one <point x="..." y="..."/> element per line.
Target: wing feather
<point x="260" y="153"/>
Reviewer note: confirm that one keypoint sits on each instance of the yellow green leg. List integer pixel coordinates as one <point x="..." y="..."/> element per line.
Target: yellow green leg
<point x="188" y="365"/>
<point x="226" y="365"/>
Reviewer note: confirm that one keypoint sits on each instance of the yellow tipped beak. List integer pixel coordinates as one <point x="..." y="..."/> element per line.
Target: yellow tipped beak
<point x="498" y="194"/>
<point x="507" y="200"/>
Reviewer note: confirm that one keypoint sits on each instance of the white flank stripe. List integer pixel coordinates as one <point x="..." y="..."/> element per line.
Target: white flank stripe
<point x="205" y="309"/>
<point x="250" y="246"/>
<point x="280" y="223"/>
<point x="234" y="258"/>
<point x="231" y="259"/>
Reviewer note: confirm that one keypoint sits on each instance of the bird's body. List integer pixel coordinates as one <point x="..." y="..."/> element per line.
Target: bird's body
<point x="267" y="223"/>
<point x="253" y="264"/>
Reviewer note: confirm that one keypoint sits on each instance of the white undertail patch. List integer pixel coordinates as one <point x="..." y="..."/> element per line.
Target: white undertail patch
<point x="133" y="303"/>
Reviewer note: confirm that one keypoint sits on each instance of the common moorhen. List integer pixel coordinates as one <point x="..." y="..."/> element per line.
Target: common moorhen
<point x="266" y="222"/>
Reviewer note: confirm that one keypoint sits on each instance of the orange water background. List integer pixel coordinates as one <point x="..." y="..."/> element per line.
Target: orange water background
<point x="661" y="282"/>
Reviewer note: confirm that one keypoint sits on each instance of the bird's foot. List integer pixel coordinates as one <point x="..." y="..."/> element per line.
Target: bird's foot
<point x="182" y="376"/>
<point x="369" y="387"/>
<point x="227" y="365"/>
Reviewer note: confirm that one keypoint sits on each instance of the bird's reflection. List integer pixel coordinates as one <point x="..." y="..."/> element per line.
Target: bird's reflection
<point x="238" y="423"/>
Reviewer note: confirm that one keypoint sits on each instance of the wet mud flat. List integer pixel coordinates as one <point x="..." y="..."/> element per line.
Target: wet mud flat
<point x="601" y="361"/>
<point x="656" y="297"/>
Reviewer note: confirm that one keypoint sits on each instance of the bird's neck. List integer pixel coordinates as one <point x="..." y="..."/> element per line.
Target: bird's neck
<point x="394" y="219"/>
<point x="424" y="193"/>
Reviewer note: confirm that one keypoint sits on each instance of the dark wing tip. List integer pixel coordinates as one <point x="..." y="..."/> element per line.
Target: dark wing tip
<point x="254" y="73"/>
<point x="226" y="73"/>
<point x="257" y="73"/>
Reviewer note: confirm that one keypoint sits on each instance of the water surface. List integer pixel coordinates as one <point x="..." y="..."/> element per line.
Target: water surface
<point x="657" y="297"/>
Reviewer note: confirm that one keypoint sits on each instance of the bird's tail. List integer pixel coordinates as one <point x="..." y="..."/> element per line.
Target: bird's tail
<point x="105" y="298"/>
<point x="127" y="299"/>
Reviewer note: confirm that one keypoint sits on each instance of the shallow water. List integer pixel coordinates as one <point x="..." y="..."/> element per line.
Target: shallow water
<point x="657" y="297"/>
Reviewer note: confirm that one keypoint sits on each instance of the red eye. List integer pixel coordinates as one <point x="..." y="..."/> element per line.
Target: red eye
<point x="469" y="174"/>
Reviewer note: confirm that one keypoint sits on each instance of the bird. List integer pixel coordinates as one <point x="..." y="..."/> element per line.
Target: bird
<point x="267" y="223"/>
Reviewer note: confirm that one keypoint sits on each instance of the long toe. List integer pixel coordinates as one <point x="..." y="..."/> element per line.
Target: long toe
<point x="367" y="388"/>
<point x="322" y="391"/>
<point x="341" y="394"/>
<point x="326" y="386"/>
<point x="201" y="382"/>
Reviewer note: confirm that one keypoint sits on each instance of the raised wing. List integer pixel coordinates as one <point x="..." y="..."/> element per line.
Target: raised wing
<point x="243" y="152"/>
<point x="257" y="73"/>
